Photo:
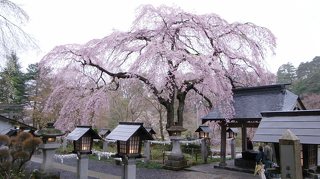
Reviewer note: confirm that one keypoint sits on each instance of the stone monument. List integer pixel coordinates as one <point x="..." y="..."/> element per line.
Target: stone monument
<point x="290" y="160"/>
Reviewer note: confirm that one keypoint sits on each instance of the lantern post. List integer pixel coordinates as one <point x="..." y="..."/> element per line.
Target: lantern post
<point x="147" y="145"/>
<point x="103" y="133"/>
<point x="232" y="133"/>
<point x="204" y="135"/>
<point x="129" y="137"/>
<point x="82" y="137"/>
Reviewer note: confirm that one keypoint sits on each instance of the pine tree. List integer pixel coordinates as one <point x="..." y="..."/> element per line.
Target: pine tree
<point x="12" y="86"/>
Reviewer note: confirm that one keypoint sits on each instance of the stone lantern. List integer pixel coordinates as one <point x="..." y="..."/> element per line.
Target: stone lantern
<point x="49" y="145"/>
<point x="176" y="160"/>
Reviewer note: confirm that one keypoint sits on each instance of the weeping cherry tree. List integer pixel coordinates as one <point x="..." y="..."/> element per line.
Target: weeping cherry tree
<point x="168" y="51"/>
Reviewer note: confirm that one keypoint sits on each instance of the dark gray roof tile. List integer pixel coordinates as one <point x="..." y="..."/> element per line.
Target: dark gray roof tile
<point x="125" y="130"/>
<point x="249" y="102"/>
<point x="304" y="124"/>
<point x="204" y="129"/>
<point x="79" y="131"/>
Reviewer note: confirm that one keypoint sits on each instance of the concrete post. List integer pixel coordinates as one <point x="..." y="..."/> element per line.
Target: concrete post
<point x="290" y="160"/>
<point x="105" y="146"/>
<point x="147" y="151"/>
<point x="204" y="150"/>
<point x="82" y="166"/>
<point x="48" y="151"/>
<point x="223" y="144"/>
<point x="130" y="169"/>
<point x="233" y="148"/>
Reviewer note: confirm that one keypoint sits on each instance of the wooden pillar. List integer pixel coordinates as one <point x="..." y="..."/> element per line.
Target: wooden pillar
<point x="223" y="144"/>
<point x="244" y="137"/>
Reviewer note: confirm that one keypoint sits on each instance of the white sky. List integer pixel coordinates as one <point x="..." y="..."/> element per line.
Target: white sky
<point x="295" y="23"/>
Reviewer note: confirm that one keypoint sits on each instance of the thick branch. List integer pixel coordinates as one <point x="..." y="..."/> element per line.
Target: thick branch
<point x="126" y="75"/>
<point x="206" y="98"/>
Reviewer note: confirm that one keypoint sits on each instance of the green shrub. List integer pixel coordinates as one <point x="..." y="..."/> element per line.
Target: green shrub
<point x="157" y="151"/>
<point x="67" y="150"/>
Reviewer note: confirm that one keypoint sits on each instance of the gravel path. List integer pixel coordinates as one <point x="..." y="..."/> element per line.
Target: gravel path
<point x="200" y="172"/>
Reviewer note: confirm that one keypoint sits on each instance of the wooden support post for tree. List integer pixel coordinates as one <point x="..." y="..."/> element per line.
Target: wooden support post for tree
<point x="196" y="157"/>
<point x="163" y="155"/>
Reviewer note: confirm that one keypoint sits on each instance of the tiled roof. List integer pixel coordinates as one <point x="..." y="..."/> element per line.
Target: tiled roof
<point x="79" y="131"/>
<point x="204" y="129"/>
<point x="125" y="130"/>
<point x="9" y="124"/>
<point x="304" y="124"/>
<point x="250" y="102"/>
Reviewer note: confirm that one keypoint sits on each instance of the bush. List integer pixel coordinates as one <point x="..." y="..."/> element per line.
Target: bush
<point x="157" y="151"/>
<point x="67" y="150"/>
<point x="15" y="153"/>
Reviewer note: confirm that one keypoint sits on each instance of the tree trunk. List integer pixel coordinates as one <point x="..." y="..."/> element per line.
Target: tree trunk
<point x="170" y="114"/>
<point x="181" y="99"/>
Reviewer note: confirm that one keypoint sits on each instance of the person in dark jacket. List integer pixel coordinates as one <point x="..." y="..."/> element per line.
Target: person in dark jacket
<point x="249" y="144"/>
<point x="260" y="156"/>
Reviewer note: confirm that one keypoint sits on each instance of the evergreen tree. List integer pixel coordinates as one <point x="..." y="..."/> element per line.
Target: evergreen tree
<point x="12" y="88"/>
<point x="286" y="73"/>
<point x="37" y="91"/>
<point x="306" y="82"/>
<point x="307" y="69"/>
<point x="12" y="82"/>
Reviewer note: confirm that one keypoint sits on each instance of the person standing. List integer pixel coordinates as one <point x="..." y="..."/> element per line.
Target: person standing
<point x="260" y="169"/>
<point x="268" y="158"/>
<point x="249" y="144"/>
<point x="268" y="152"/>
<point x="260" y="158"/>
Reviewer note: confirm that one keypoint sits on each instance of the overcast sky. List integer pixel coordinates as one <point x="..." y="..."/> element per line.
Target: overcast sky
<point x="296" y="24"/>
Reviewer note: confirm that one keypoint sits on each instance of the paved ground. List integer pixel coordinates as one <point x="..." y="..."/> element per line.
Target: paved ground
<point x="107" y="170"/>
